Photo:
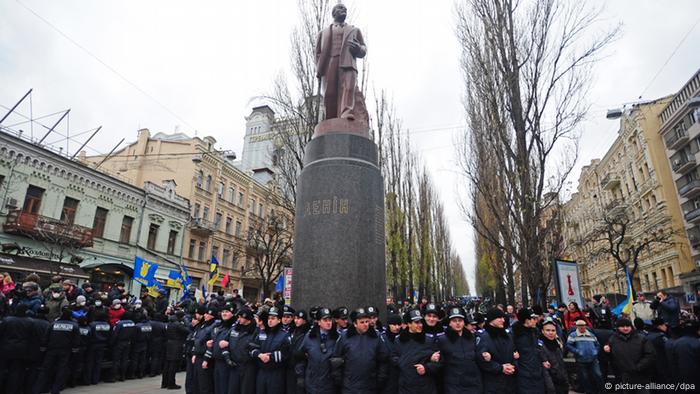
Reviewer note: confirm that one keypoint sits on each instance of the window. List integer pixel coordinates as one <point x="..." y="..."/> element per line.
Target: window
<point x="240" y="199"/>
<point x="205" y="213"/>
<point x="229" y="221"/>
<point x="251" y="205"/>
<point x="200" y="179"/>
<point x="207" y="186"/>
<point x="215" y="252"/>
<point x="32" y="201"/>
<point x="231" y="193"/>
<point x="190" y="252"/>
<point x="250" y="232"/>
<point x="98" y="225"/>
<point x="196" y="210"/>
<point x="217" y="220"/>
<point x="224" y="258"/>
<point x="172" y="240"/>
<point x="152" y="236"/>
<point x="125" y="234"/>
<point x="200" y="255"/>
<point x="260" y="210"/>
<point x="70" y="206"/>
<point x="238" y="229"/>
<point x="220" y="190"/>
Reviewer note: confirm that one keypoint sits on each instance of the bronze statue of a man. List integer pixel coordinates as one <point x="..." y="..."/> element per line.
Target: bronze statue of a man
<point x="337" y="49"/>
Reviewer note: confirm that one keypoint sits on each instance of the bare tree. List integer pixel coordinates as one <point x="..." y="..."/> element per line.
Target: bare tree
<point x="527" y="70"/>
<point x="270" y="245"/>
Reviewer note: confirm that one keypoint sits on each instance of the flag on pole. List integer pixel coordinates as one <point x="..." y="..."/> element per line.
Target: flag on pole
<point x="204" y="291"/>
<point x="187" y="279"/>
<point x="213" y="270"/>
<point x="144" y="271"/>
<point x="626" y="305"/>
<point x="175" y="280"/>
<point x="224" y="282"/>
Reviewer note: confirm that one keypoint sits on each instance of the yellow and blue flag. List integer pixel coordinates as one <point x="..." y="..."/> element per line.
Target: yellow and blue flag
<point x="213" y="270"/>
<point x="626" y="305"/>
<point x="176" y="280"/>
<point x="145" y="271"/>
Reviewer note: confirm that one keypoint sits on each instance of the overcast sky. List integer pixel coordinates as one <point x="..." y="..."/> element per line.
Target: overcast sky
<point x="195" y="66"/>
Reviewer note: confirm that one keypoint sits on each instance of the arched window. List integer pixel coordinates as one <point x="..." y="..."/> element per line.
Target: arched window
<point x="207" y="186"/>
<point x="200" y="178"/>
<point x="231" y="193"/>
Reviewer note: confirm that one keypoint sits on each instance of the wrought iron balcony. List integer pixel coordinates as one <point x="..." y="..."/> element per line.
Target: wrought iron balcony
<point x="694" y="237"/>
<point x="676" y="138"/>
<point x="693" y="216"/>
<point x="610" y="181"/>
<point x="47" y="229"/>
<point x="682" y="164"/>
<point x="690" y="189"/>
<point x="202" y="226"/>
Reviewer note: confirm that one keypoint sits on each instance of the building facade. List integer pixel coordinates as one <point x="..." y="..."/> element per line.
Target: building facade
<point x="61" y="217"/>
<point x="227" y="203"/>
<point x="680" y="130"/>
<point x="633" y="179"/>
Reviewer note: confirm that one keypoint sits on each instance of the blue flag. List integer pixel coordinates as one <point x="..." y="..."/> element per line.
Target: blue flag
<point x="185" y="275"/>
<point x="204" y="291"/>
<point x="176" y="280"/>
<point x="279" y="287"/>
<point x="144" y="271"/>
<point x="626" y="305"/>
<point x="213" y="270"/>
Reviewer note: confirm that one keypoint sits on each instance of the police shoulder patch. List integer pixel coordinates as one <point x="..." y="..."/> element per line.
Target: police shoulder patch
<point x="540" y="343"/>
<point x="478" y="339"/>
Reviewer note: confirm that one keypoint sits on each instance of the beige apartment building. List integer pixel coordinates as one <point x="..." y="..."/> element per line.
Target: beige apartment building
<point x="633" y="178"/>
<point x="226" y="202"/>
<point x="680" y="130"/>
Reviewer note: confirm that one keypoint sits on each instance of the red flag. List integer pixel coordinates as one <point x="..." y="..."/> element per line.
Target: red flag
<point x="224" y="282"/>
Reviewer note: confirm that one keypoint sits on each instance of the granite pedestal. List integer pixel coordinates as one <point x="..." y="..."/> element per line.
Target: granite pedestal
<point x="339" y="255"/>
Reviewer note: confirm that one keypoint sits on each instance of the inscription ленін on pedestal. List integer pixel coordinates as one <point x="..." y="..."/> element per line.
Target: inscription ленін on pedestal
<point x="339" y="206"/>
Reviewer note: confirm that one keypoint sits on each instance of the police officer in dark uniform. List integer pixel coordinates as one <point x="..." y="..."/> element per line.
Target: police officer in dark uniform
<point x="271" y="348"/>
<point x="214" y="355"/>
<point x="157" y="345"/>
<point x="498" y="369"/>
<point x="393" y="329"/>
<point x="530" y="377"/>
<point x="17" y="333"/>
<point x="190" y="371"/>
<point x="62" y="338"/>
<point x="413" y="356"/>
<point x="204" y="374"/>
<point x="241" y="365"/>
<point x="176" y="332"/>
<point x="100" y="332"/>
<point x="460" y="371"/>
<point x="120" y="341"/>
<point x="374" y="322"/>
<point x="658" y="336"/>
<point x="313" y="367"/>
<point x="139" y="346"/>
<point x="359" y="362"/>
<point x="433" y="327"/>
<point x="296" y="336"/>
<point x="288" y="318"/>
<point x="79" y="359"/>
<point x="341" y="319"/>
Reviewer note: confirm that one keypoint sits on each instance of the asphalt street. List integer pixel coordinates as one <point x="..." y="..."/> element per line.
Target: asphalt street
<point x="134" y="386"/>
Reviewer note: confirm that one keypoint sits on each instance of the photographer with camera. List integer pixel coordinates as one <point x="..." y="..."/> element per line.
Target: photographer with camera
<point x="667" y="308"/>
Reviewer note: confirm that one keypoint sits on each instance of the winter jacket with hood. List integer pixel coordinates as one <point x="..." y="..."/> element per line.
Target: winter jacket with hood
<point x="633" y="357"/>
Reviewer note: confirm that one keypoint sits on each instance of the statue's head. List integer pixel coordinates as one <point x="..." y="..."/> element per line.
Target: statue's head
<point x="339" y="12"/>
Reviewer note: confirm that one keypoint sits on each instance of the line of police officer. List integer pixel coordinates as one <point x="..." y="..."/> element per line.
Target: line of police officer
<point x="280" y="350"/>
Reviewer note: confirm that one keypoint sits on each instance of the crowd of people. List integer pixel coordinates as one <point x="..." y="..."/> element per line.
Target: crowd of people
<point x="68" y="335"/>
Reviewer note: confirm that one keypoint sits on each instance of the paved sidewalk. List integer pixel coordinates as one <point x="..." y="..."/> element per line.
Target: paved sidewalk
<point x="134" y="386"/>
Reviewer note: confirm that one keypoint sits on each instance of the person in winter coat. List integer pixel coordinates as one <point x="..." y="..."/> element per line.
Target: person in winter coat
<point x="139" y="346"/>
<point x="585" y="347"/>
<point x="214" y="357"/>
<point x="296" y="336"/>
<point x="33" y="298"/>
<point x="413" y="354"/>
<point x="658" y="335"/>
<point x="394" y="323"/>
<point x="631" y="353"/>
<point x="642" y="309"/>
<point x="359" y="362"/>
<point x="270" y="348"/>
<point x="667" y="308"/>
<point x="17" y="333"/>
<point x="55" y="301"/>
<point x="123" y="333"/>
<point x="157" y="346"/>
<point x="433" y="329"/>
<point x="496" y="355"/>
<point x="6" y="284"/>
<point x="115" y="313"/>
<point x="202" y="373"/>
<point x="684" y="355"/>
<point x="458" y="360"/>
<point x="572" y="315"/>
<point x="241" y="366"/>
<point x="556" y="377"/>
<point x="176" y="332"/>
<point x="62" y="338"/>
<point x="531" y="362"/>
<point x="313" y="367"/>
<point x="100" y="332"/>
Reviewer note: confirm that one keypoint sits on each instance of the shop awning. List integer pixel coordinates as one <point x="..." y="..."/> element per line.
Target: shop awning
<point x="31" y="264"/>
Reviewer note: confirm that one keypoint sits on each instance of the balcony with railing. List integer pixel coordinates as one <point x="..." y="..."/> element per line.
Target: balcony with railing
<point x="690" y="189"/>
<point x="676" y="138"/>
<point x="610" y="181"/>
<point x="682" y="162"/>
<point x="616" y="208"/>
<point x="47" y="229"/>
<point x="694" y="237"/>
<point x="202" y="226"/>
